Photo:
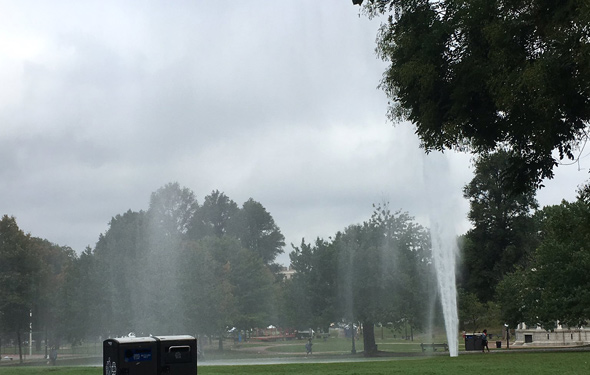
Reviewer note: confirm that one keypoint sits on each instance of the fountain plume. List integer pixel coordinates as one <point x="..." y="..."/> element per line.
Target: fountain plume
<point x="444" y="241"/>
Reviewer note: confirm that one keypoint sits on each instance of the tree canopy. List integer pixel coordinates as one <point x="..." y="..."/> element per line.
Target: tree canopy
<point x="377" y="271"/>
<point x="555" y="285"/>
<point x="503" y="233"/>
<point x="32" y="272"/>
<point x="487" y="74"/>
<point x="208" y="266"/>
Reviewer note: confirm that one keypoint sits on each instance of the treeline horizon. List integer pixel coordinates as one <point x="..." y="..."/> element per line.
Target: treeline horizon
<point x="183" y="267"/>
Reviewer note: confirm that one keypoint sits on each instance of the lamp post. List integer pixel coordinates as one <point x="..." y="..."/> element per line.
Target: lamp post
<point x="507" y="336"/>
<point x="353" y="351"/>
<point x="30" y="333"/>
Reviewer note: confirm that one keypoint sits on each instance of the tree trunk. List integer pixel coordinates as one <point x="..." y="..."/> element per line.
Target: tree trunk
<point x="220" y="347"/>
<point x="20" y="346"/>
<point x="38" y="343"/>
<point x="369" y="338"/>
<point x="46" y="343"/>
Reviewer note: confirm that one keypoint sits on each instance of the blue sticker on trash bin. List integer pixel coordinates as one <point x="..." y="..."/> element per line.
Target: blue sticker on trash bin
<point x="138" y="355"/>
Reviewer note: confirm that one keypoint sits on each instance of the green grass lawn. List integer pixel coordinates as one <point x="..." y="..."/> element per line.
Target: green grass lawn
<point x="505" y="363"/>
<point x="335" y="346"/>
<point x="539" y="363"/>
<point x="342" y="346"/>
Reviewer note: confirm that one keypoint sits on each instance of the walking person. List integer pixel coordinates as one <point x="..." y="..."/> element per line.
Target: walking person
<point x="53" y="355"/>
<point x="308" y="347"/>
<point x="484" y="341"/>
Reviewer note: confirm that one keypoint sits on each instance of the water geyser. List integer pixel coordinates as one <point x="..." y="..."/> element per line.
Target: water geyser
<point x="444" y="240"/>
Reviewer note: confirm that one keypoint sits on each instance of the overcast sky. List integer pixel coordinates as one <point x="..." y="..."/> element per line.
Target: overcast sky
<point x="104" y="102"/>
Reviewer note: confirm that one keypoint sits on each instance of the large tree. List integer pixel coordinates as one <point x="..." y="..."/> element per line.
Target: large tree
<point x="19" y="274"/>
<point x="216" y="217"/>
<point x="485" y="74"/>
<point x="120" y="256"/>
<point x="172" y="208"/>
<point x="82" y="302"/>
<point x="257" y="231"/>
<point x="311" y="294"/>
<point x="208" y="302"/>
<point x="555" y="286"/>
<point x="228" y="285"/>
<point x="54" y="263"/>
<point x="169" y="217"/>
<point x="384" y="272"/>
<point x="503" y="230"/>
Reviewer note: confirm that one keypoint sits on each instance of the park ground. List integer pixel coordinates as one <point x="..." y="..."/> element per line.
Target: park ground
<point x="515" y="362"/>
<point x="331" y="356"/>
<point x="334" y="346"/>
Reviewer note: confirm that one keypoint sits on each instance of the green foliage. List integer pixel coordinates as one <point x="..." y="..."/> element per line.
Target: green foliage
<point x="114" y="278"/>
<point x="20" y="270"/>
<point x="172" y="208"/>
<point x="483" y="75"/>
<point x="32" y="274"/>
<point x="254" y="226"/>
<point x="177" y="267"/>
<point x="584" y="193"/>
<point x="516" y="298"/>
<point x="378" y="271"/>
<point x="208" y="301"/>
<point x="253" y="289"/>
<point x="216" y="217"/>
<point x="17" y="269"/>
<point x="54" y="261"/>
<point x="311" y="295"/>
<point x="258" y="232"/>
<point x="82" y="303"/>
<point x="555" y="285"/>
<point x="386" y="268"/>
<point x="474" y="315"/>
<point x="503" y="232"/>
<point x="471" y="311"/>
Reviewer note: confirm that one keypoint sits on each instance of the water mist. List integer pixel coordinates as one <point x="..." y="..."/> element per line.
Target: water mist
<point x="441" y="196"/>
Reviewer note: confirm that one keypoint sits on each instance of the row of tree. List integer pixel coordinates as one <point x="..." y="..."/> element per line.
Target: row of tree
<point x="554" y="285"/>
<point x="32" y="274"/>
<point x="178" y="267"/>
<point x="379" y="271"/>
<point x="521" y="263"/>
<point x="185" y="267"/>
<point x="508" y="81"/>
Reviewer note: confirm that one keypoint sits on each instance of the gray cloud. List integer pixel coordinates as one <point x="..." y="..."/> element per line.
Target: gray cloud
<point x="105" y="102"/>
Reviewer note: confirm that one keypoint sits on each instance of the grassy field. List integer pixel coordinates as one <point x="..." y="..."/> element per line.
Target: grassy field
<point x="339" y="346"/>
<point x="561" y="363"/>
<point x="385" y="339"/>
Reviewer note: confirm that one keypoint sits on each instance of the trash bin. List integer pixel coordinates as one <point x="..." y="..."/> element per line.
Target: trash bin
<point x="177" y="355"/>
<point x="150" y="355"/>
<point x="498" y="344"/>
<point x="130" y="356"/>
<point x="469" y="342"/>
<point x="473" y="342"/>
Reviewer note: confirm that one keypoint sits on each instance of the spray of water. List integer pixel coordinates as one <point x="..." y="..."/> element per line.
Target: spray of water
<point x="444" y="242"/>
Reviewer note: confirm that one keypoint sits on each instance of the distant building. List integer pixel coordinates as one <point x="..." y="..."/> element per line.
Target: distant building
<point x="560" y="336"/>
<point x="288" y="272"/>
